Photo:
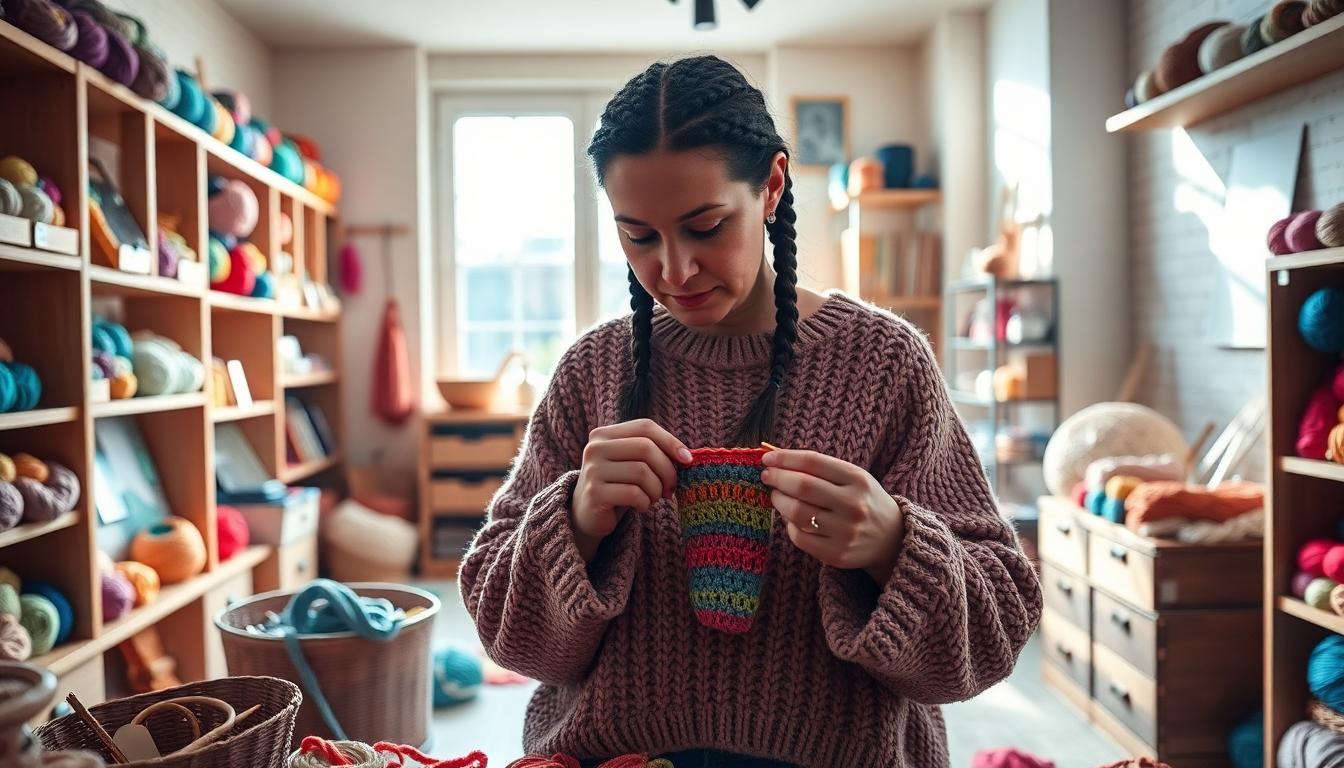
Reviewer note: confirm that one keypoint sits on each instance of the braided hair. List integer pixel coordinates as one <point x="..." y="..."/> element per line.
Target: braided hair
<point x="692" y="103"/>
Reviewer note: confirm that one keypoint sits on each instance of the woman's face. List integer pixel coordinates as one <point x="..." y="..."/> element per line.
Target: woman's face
<point x="693" y="236"/>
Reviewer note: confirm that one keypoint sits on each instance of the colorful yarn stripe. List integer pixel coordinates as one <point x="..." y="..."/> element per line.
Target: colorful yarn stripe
<point x="726" y="519"/>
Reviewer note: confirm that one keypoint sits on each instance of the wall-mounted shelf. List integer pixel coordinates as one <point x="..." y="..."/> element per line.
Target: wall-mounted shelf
<point x="16" y="259"/>
<point x="293" y="473"/>
<point x="895" y="199"/>
<point x="1317" y="51"/>
<point x="315" y="379"/>
<point x="133" y="406"/>
<point x="33" y="530"/>
<point x="241" y="412"/>
<point x="38" y="418"/>
<point x="110" y="281"/>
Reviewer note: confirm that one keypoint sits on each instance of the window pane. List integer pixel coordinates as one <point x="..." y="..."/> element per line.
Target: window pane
<point x="545" y="293"/>
<point x="483" y="351"/>
<point x="614" y="288"/>
<point x="489" y="292"/>
<point x="543" y="350"/>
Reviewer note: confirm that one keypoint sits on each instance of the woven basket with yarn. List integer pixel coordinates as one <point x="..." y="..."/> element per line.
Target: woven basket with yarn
<point x="261" y="742"/>
<point x="379" y="691"/>
<point x="726" y="519"/>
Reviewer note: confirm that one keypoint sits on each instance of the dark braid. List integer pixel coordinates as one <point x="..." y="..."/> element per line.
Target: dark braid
<point x="688" y="104"/>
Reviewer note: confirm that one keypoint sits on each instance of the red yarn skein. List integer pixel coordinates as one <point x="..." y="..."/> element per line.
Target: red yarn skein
<point x="232" y="529"/>
<point x="1301" y="232"/>
<point x="1311" y="557"/>
<point x="1333" y="563"/>
<point x="475" y="759"/>
<point x="1318" y="418"/>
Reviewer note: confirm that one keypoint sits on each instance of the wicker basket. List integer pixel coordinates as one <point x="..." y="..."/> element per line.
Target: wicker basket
<point x="379" y="691"/>
<point x="262" y="742"/>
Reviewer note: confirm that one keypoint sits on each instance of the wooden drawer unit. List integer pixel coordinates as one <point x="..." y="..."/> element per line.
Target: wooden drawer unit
<point x="473" y="446"/>
<point x="1067" y="594"/>
<point x="1127" y="631"/>
<point x="1121" y="571"/>
<point x="1125" y="692"/>
<point x="1063" y="539"/>
<point x="1067" y="647"/>
<point x="465" y="495"/>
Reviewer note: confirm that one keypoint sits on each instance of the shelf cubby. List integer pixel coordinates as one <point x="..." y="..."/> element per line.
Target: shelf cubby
<point x="122" y="136"/>
<point x="44" y="325"/>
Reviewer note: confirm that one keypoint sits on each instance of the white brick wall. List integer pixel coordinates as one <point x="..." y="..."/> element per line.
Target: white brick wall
<point x="1190" y="378"/>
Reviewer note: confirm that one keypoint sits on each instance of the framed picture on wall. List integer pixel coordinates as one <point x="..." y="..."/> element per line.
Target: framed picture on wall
<point x="820" y="130"/>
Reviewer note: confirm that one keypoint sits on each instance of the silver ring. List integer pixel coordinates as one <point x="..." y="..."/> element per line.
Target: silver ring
<point x="815" y="527"/>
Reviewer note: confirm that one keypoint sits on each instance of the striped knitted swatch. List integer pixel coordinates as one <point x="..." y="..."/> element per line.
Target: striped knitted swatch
<point x="726" y="519"/>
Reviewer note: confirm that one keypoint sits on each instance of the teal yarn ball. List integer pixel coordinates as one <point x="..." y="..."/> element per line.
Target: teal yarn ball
<point x="209" y="117"/>
<point x="191" y="104"/>
<point x="1094" y="501"/>
<point x="1321" y="320"/>
<point x="40" y="617"/>
<point x="1113" y="510"/>
<point x="112" y="338"/>
<point x="287" y="162"/>
<point x="1325" y="672"/>
<point x="27" y="386"/>
<point x="1246" y="743"/>
<point x="102" y="340"/>
<point x="264" y="288"/>
<point x="65" y="614"/>
<point x="458" y="677"/>
<point x="9" y="600"/>
<point x="9" y="390"/>
<point x="172" y="93"/>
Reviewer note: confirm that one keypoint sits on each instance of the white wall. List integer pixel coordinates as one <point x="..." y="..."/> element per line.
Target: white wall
<point x="366" y="108"/>
<point x="185" y="29"/>
<point x="579" y="72"/>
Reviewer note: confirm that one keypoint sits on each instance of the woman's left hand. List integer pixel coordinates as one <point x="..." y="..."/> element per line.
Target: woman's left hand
<point x="835" y="511"/>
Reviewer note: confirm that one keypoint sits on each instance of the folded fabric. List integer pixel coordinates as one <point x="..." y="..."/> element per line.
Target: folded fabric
<point x="1250" y="525"/>
<point x="1308" y="745"/>
<point x="1163" y="499"/>
<point x="1159" y="466"/>
<point x="1008" y="758"/>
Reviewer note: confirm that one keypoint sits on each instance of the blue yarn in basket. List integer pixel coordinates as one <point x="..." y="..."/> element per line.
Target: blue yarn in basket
<point x="1321" y="320"/>
<point x="1246" y="743"/>
<point x="1325" y="672"/>
<point x="64" y="612"/>
<point x="458" y="677"/>
<point x="27" y="386"/>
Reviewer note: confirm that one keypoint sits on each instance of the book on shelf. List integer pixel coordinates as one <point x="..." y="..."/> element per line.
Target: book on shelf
<point x="301" y="434"/>
<point x="893" y="264"/>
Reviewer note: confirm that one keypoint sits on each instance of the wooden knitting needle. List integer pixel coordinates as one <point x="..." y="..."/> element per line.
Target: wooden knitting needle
<point x="117" y="756"/>
<point x="769" y="447"/>
<point x="246" y="714"/>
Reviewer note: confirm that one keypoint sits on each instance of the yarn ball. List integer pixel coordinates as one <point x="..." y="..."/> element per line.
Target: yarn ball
<point x="154" y="80"/>
<point x="1311" y="556"/>
<point x="142" y="578"/>
<point x="11" y="505"/>
<point x="65" y="613"/>
<point x="1220" y="48"/>
<point x="7" y="469"/>
<point x="26" y="465"/>
<point x="118" y="595"/>
<point x="1318" y="418"/>
<point x="9" y="600"/>
<point x="231" y="527"/>
<point x="238" y="104"/>
<point x="1079" y="494"/>
<point x="264" y="287"/>
<point x="1103" y="430"/>
<point x="172" y="88"/>
<point x="224" y="127"/>
<point x="1301" y="232"/>
<point x="1337" y="600"/>
<point x="286" y="229"/>
<point x="40" y="617"/>
<point x="10" y="200"/>
<point x="122" y="63"/>
<point x="156" y="367"/>
<point x="458" y="677"/>
<point x="35" y="205"/>
<point x="27" y="386"/>
<point x="285" y="161"/>
<point x="15" y="642"/>
<point x="43" y="502"/>
<point x="1246" y="743"/>
<point x="123" y="386"/>
<point x="104" y="16"/>
<point x="1333" y="563"/>
<point x="1251" y="41"/>
<point x="241" y="277"/>
<point x="173" y="548"/>
<point x="1330" y="227"/>
<point x="1094" y="500"/>
<point x="9" y="389"/>
<point x="54" y="192"/>
<point x="1007" y="757"/>
<point x="18" y="171"/>
<point x="262" y="149"/>
<point x="193" y="372"/>
<point x="234" y="210"/>
<point x="1325" y="672"/>
<point x="113" y="337"/>
<point x="1321" y="10"/>
<point x="1321" y="320"/>
<point x="1310" y="745"/>
<point x="1277" y="237"/>
<point x="1334" y="444"/>
<point x="191" y="104"/>
<point x="1113" y="509"/>
<point x="44" y="20"/>
<point x="243" y="136"/>
<point x="1283" y="21"/>
<point x="1318" y="591"/>
<point x="91" y="45"/>
<point x="1179" y="64"/>
<point x="1120" y="486"/>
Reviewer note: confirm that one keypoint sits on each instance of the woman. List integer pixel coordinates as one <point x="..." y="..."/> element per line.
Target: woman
<point x="893" y="584"/>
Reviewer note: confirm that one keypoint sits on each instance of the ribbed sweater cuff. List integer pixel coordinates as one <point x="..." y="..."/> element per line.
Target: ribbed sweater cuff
<point x="578" y="593"/>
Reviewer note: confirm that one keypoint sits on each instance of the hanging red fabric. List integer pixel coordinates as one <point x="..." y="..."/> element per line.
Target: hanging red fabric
<point x="393" y="387"/>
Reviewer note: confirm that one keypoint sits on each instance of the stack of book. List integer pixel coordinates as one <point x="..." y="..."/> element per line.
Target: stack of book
<point x="893" y="264"/>
<point x="308" y="435"/>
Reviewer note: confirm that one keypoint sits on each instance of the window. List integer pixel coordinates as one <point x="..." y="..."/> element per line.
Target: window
<point x="528" y="251"/>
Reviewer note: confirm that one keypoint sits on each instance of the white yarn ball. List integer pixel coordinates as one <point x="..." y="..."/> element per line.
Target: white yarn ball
<point x="1144" y="87"/>
<point x="10" y="202"/>
<point x="1220" y="48"/>
<point x="1103" y="430"/>
<point x="36" y="205"/>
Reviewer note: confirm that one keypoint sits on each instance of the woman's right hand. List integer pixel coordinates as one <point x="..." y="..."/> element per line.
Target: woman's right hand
<point x="626" y="466"/>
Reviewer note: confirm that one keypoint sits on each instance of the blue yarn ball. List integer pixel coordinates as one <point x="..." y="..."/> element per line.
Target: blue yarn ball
<point x="228" y="241"/>
<point x="1246" y="743"/>
<point x="64" y="611"/>
<point x="27" y="386"/>
<point x="1325" y="672"/>
<point x="9" y="391"/>
<point x="264" y="288"/>
<point x="172" y="94"/>
<point x="1094" y="501"/>
<point x="192" y="104"/>
<point x="1321" y="320"/>
<point x="457" y="677"/>
<point x="1113" y="509"/>
<point x="112" y="338"/>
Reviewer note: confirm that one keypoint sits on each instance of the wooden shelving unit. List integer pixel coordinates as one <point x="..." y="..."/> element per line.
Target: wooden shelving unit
<point x="315" y="379"/>
<point x="65" y="111"/>
<point x="893" y="199"/>
<point x="1304" y="496"/>
<point x="1301" y="58"/>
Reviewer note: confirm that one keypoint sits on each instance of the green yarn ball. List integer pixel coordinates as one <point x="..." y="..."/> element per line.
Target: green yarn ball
<point x="9" y="600"/>
<point x="38" y="615"/>
<point x="1318" y="593"/>
<point x="220" y="263"/>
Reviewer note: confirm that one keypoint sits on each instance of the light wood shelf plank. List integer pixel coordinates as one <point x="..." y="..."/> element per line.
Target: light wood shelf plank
<point x="238" y="412"/>
<point x="1326" y="257"/>
<point x="309" y="315"/>
<point x="315" y="379"/>
<point x="114" y="281"/>
<point x="896" y="199"/>
<point x="234" y="303"/>
<point x="155" y="404"/>
<point x="38" y="418"/>
<point x="15" y="258"/>
<point x="1326" y="470"/>
<point x="27" y="52"/>
<point x="293" y="473"/>
<point x="1323" y="619"/>
<point x="33" y="530"/>
<point x="1317" y="51"/>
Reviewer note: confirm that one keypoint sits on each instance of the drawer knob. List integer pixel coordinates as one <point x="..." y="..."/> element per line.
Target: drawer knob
<point x="301" y="566"/>
<point x="1064" y="652"/>
<point x="1120" y="619"/>
<point x="1118" y="692"/>
<point x="1064" y="586"/>
<point x="1118" y="552"/>
<point x="1064" y="528"/>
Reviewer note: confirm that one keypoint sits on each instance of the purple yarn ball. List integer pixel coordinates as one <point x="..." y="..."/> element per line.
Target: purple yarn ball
<point x="167" y="257"/>
<point x="1301" y="232"/>
<point x="118" y="595"/>
<point x="44" y="502"/>
<point x="1277" y="239"/>
<point x="92" y="45"/>
<point x="44" y="20"/>
<point x="11" y="506"/>
<point x="103" y="362"/>
<point x="122" y="63"/>
<point x="1300" y="582"/>
<point x="49" y="186"/>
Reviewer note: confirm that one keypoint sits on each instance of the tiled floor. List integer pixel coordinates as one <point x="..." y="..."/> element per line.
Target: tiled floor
<point x="1019" y="712"/>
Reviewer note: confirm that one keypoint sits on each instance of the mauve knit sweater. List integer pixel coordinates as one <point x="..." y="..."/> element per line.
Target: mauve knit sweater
<point x="836" y="670"/>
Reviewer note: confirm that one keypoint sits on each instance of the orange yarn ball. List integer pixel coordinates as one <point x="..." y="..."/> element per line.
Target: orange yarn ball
<point x="143" y="578"/>
<point x="1334" y="444"/>
<point x="173" y="548"/>
<point x="1337" y="599"/>
<point x="26" y="465"/>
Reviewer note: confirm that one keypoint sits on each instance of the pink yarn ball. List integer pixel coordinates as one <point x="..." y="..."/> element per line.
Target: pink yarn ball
<point x="1301" y="232"/>
<point x="234" y="210"/>
<point x="1080" y="493"/>
<point x="233" y="534"/>
<point x="1277" y="239"/>
<point x="118" y="595"/>
<point x="1300" y="582"/>
<point x="1318" y="418"/>
<point x="1333" y="564"/>
<point x="1311" y="557"/>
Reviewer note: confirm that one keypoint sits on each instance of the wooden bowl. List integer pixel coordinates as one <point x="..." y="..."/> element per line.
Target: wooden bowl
<point x="469" y="394"/>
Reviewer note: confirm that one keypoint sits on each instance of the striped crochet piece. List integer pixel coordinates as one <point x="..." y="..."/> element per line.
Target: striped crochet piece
<point x="726" y="519"/>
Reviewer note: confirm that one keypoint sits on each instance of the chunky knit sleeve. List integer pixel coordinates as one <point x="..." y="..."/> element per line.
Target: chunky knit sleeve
<point x="963" y="598"/>
<point x="538" y="608"/>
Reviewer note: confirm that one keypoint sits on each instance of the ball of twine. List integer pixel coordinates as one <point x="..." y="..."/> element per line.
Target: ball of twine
<point x="143" y="579"/>
<point x="1330" y="227"/>
<point x="27" y="465"/>
<point x="1318" y="593"/>
<point x="11" y="204"/>
<point x="36" y="205"/>
<point x="11" y="505"/>
<point x="154" y="76"/>
<point x="1322" y="10"/>
<point x="173" y="548"/>
<point x="1251" y="41"/>
<point x="319" y="753"/>
<point x="1283" y="20"/>
<point x="40" y="618"/>
<point x="156" y="367"/>
<point x="44" y="502"/>
<point x="15" y="642"/>
<point x="1179" y="64"/>
<point x="1220" y="48"/>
